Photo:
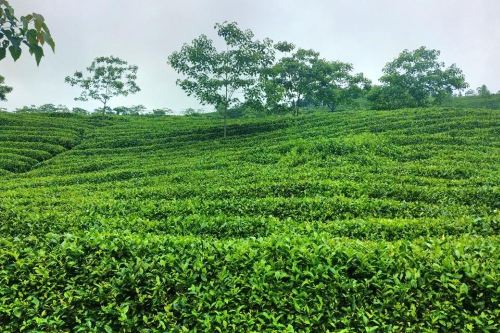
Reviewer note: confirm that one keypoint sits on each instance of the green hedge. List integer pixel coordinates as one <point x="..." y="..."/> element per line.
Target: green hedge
<point x="349" y="221"/>
<point x="101" y="282"/>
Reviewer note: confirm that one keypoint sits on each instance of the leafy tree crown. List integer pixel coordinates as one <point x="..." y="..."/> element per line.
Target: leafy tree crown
<point x="107" y="77"/>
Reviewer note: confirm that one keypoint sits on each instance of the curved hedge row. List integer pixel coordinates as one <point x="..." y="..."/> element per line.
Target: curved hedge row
<point x="353" y="221"/>
<point x="28" y="139"/>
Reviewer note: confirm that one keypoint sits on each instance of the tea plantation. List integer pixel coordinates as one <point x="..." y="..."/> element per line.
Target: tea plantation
<point x="365" y="221"/>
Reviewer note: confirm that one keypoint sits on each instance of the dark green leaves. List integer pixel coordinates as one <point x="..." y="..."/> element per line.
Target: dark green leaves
<point x="15" y="52"/>
<point x="37" y="51"/>
<point x="29" y="30"/>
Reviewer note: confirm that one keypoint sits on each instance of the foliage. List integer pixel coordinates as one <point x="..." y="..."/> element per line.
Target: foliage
<point x="221" y="77"/>
<point x="294" y="74"/>
<point x="46" y="108"/>
<point x="416" y="78"/>
<point x="29" y="30"/>
<point x="470" y="92"/>
<point x="162" y="111"/>
<point x="335" y="85"/>
<point x="78" y="110"/>
<point x="129" y="110"/>
<point x="31" y="137"/>
<point x="483" y="91"/>
<point x="390" y="97"/>
<point x="4" y="89"/>
<point x="107" y="77"/>
<point x="249" y="75"/>
<point x="192" y="112"/>
<point x="344" y="221"/>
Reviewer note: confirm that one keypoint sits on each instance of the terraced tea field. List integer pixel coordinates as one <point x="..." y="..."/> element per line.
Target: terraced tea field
<point x="350" y="221"/>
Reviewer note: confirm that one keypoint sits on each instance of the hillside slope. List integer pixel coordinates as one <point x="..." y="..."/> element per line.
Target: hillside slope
<point x="385" y="221"/>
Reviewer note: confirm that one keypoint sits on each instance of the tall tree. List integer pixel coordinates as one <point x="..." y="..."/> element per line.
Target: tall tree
<point x="483" y="91"/>
<point x="294" y="74"/>
<point x="417" y="78"/>
<point x="222" y="77"/>
<point x="29" y="30"/>
<point x="269" y="94"/>
<point x="335" y="84"/>
<point x="4" y="89"/>
<point x="107" y="77"/>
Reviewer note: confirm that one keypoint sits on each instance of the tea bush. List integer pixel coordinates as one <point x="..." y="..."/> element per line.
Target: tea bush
<point x="350" y="221"/>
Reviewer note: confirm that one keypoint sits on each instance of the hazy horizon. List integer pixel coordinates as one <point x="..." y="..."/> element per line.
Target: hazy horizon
<point x="367" y="34"/>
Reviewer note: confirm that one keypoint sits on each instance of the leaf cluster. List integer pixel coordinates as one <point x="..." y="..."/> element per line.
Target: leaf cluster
<point x="29" y="30"/>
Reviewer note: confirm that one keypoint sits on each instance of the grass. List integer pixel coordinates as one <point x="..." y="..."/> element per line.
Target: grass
<point x="354" y="221"/>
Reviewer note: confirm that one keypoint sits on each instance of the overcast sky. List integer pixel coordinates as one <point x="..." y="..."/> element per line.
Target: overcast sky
<point x="366" y="33"/>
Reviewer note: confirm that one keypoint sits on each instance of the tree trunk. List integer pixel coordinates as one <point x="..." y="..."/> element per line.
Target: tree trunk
<point x="104" y="107"/>
<point x="225" y="121"/>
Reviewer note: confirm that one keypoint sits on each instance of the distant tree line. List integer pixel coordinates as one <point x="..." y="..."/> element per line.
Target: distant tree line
<point x="119" y="110"/>
<point x="277" y="77"/>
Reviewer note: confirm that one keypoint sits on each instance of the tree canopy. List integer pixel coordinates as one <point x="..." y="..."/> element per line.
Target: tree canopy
<point x="416" y="78"/>
<point x="222" y="77"/>
<point x="483" y="91"/>
<point x="335" y="84"/>
<point x="107" y="77"/>
<point x="294" y="74"/>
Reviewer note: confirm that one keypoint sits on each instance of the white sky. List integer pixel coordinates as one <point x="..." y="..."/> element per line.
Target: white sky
<point x="367" y="33"/>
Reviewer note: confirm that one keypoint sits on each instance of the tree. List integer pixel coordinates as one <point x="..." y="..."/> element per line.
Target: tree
<point x="162" y="111"/>
<point x="104" y="110"/>
<point x="26" y="109"/>
<point x="129" y="110"/>
<point x="417" y="78"/>
<point x="389" y="97"/>
<point x="294" y="75"/>
<point x="483" y="91"/>
<point x="4" y="89"/>
<point x="334" y="84"/>
<point x="470" y="92"/>
<point x="51" y="108"/>
<point x="78" y="110"/>
<point x="222" y="77"/>
<point x="29" y="30"/>
<point x="108" y="77"/>
<point x="192" y="112"/>
<point x="45" y="108"/>
<point x="268" y="95"/>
